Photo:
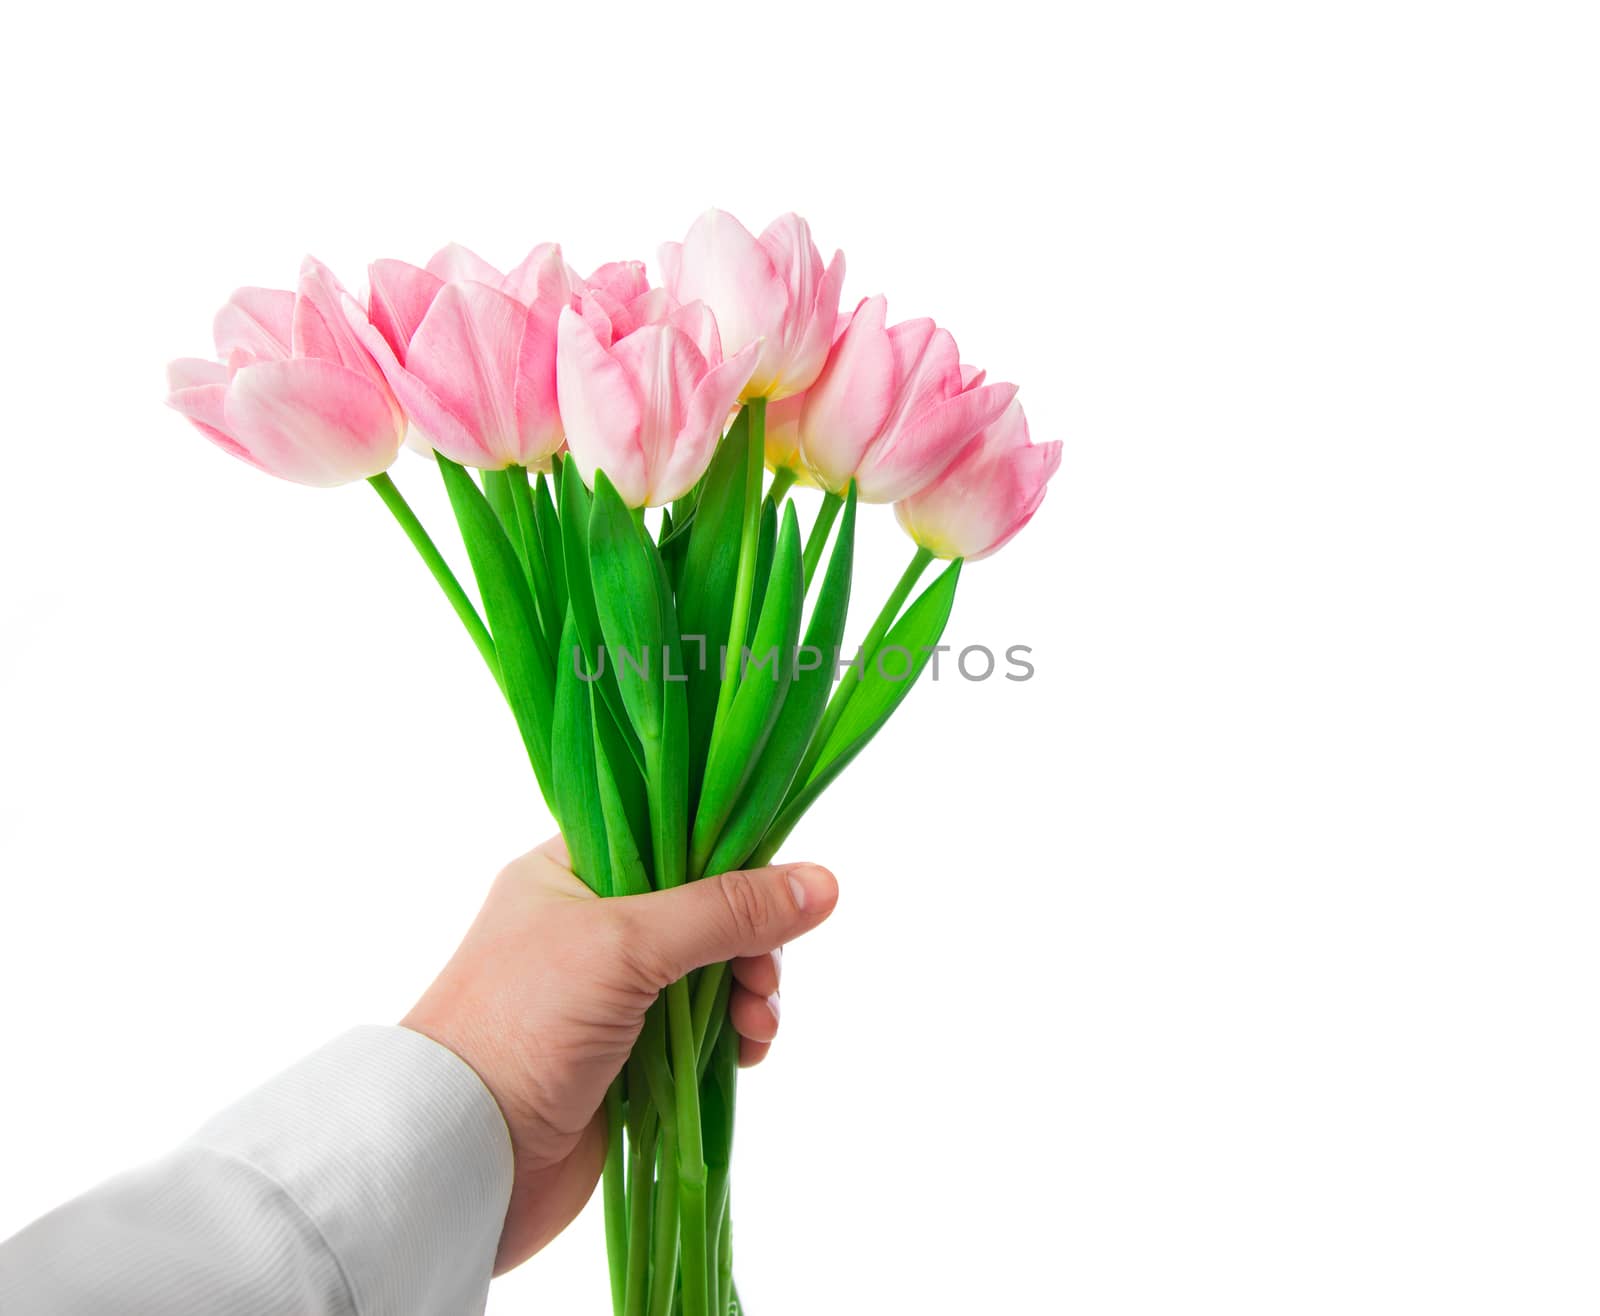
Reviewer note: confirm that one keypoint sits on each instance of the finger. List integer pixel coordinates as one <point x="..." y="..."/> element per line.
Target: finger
<point x="727" y="917"/>
<point x="752" y="1053"/>
<point x="760" y="973"/>
<point x="755" y="1017"/>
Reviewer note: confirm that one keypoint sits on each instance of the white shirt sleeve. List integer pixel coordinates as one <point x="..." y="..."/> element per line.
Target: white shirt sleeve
<point x="370" y="1179"/>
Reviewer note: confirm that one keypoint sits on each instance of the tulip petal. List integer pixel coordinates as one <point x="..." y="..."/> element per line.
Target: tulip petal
<point x="723" y="265"/>
<point x="665" y="366"/>
<point x="192" y="372"/>
<point x="619" y="280"/>
<point x="847" y="406"/>
<point x="810" y="352"/>
<point x="198" y="392"/>
<point x="700" y="324"/>
<point x="710" y="405"/>
<point x="542" y="276"/>
<point x="467" y="352"/>
<point x="257" y="322"/>
<point x="311" y="421"/>
<point x="399" y="296"/>
<point x="918" y="451"/>
<point x="600" y="409"/>
<point x="454" y="262"/>
<point x="986" y="495"/>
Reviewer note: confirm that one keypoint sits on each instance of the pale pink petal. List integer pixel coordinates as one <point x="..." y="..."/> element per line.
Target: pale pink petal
<point x="600" y="410"/>
<point x="311" y="421"/>
<point x="468" y="351"/>
<point x="596" y="317"/>
<point x="257" y="322"/>
<point x="670" y="257"/>
<point x="1027" y="474"/>
<point x="665" y="365"/>
<point x="647" y="308"/>
<point x="198" y="390"/>
<point x="712" y="402"/>
<point x="918" y="451"/>
<point x="620" y="280"/>
<point x="539" y="432"/>
<point x="810" y="351"/>
<point x="722" y="265"/>
<point x="399" y="296"/>
<point x="456" y="262"/>
<point x="542" y="276"/>
<point x="192" y="372"/>
<point x="700" y="324"/>
<point x="322" y="324"/>
<point x="847" y="406"/>
<point x="433" y="424"/>
<point x="986" y="495"/>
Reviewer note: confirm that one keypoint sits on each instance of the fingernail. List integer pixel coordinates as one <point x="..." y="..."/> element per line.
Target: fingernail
<point x="772" y="1004"/>
<point x="811" y="885"/>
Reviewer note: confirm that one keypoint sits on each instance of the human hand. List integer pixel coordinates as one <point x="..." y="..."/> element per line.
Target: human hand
<point x="548" y="990"/>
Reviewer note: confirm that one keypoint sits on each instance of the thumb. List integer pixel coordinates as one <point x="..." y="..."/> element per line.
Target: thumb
<point x="722" y="918"/>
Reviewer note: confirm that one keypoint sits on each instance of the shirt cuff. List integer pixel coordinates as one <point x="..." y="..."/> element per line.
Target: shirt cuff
<point x="399" y="1157"/>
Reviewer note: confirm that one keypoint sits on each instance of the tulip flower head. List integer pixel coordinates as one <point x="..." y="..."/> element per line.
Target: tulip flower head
<point x="986" y="495"/>
<point x="293" y="391"/>
<point x="649" y="408"/>
<point x="471" y="352"/>
<point x="892" y="407"/>
<point x="773" y="291"/>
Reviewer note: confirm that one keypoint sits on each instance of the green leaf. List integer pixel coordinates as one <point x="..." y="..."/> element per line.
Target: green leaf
<point x="766" y="537"/>
<point x="625" y="808"/>
<point x="875" y="700"/>
<point x="513" y="620"/>
<point x="575" y="512"/>
<point x="497" y="489"/>
<point x="802" y="708"/>
<point x="548" y="524"/>
<point x="710" y="566"/>
<point x="578" y="805"/>
<point x="737" y="743"/>
<point x="533" y="556"/>
<point x="640" y="630"/>
<point x="627" y="603"/>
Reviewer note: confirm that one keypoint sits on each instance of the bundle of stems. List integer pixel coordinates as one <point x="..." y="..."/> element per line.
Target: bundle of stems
<point x="679" y="692"/>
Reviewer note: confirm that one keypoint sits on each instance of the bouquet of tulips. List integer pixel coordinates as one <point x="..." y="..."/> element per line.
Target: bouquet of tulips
<point x="680" y="682"/>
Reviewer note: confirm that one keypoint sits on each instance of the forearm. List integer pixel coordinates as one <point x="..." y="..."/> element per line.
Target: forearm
<point x="370" y="1178"/>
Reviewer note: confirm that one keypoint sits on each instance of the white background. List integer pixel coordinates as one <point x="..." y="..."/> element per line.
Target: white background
<point x="1244" y="961"/>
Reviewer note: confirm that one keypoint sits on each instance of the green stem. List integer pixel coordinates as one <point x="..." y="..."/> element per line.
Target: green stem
<point x="615" y="1192"/>
<point x="869" y="652"/>
<point x="782" y="481"/>
<point x="691" y="1152"/>
<point x="664" y="1273"/>
<point x="817" y="540"/>
<point x="533" y="553"/>
<point x="434" y="560"/>
<point x="641" y="1184"/>
<point x="744" y="583"/>
<point x="710" y="1004"/>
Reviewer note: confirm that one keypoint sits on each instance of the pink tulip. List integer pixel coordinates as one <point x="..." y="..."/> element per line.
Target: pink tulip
<point x="892" y="407"/>
<point x="783" y="437"/>
<point x="986" y="495"/>
<point x="471" y="352"/>
<point x="773" y="291"/>
<point x="649" y="408"/>
<point x="295" y="393"/>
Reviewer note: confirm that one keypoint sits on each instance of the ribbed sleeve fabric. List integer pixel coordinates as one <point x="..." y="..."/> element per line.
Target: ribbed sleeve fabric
<point x="370" y="1179"/>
